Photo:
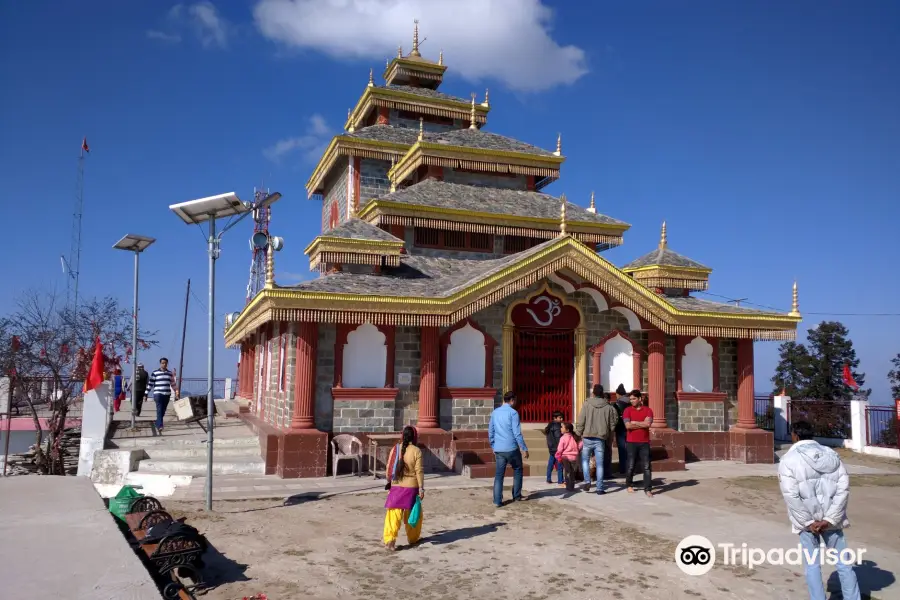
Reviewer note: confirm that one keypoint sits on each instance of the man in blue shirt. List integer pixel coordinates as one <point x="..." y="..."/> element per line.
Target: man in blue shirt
<point x="505" y="435"/>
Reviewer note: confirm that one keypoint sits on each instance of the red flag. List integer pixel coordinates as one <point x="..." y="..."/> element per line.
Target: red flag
<point x="84" y="145"/>
<point x="848" y="378"/>
<point x="95" y="375"/>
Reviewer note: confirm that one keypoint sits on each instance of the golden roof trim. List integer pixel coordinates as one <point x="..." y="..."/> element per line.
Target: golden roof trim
<point x="414" y="101"/>
<point x="565" y="253"/>
<point x="380" y="204"/>
<point x="333" y="243"/>
<point x="668" y="269"/>
<point x="344" y="145"/>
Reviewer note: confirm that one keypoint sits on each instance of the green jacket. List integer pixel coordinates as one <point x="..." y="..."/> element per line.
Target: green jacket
<point x="597" y="419"/>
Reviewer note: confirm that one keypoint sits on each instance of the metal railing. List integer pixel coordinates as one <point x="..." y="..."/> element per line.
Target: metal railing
<point x="199" y="386"/>
<point x="881" y="426"/>
<point x="828" y="419"/>
<point x="764" y="410"/>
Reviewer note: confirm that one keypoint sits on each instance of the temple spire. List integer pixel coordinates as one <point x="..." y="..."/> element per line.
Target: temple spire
<point x="487" y="101"/>
<point x="421" y="128"/>
<point x="415" y="48"/>
<point x="399" y="51"/>
<point x="795" y="305"/>
<point x="592" y="208"/>
<point x="371" y="78"/>
<point x="663" y="239"/>
<point x="562" y="216"/>
<point x="270" y="267"/>
<point x="472" y="124"/>
<point x="441" y="57"/>
<point x="558" y="145"/>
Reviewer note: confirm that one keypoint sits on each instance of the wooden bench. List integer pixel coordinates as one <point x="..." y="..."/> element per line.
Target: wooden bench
<point x="175" y="557"/>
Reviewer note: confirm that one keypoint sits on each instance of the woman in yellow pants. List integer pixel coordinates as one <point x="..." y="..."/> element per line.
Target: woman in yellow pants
<point x="407" y="482"/>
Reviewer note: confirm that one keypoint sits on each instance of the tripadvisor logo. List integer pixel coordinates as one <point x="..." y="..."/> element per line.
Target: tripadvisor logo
<point x="696" y="555"/>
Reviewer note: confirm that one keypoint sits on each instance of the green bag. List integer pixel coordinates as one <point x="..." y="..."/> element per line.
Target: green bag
<point x="416" y="513"/>
<point x="121" y="503"/>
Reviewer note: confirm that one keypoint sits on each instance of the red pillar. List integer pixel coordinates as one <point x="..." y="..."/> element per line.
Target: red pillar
<point x="746" y="418"/>
<point x="657" y="378"/>
<point x="595" y="369"/>
<point x="305" y="376"/>
<point x="428" y="382"/>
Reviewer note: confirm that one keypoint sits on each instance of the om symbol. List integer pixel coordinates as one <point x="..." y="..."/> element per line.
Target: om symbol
<point x="551" y="308"/>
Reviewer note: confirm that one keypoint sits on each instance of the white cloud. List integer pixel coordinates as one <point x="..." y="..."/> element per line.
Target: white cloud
<point x="507" y="40"/>
<point x="201" y="18"/>
<point x="312" y="143"/>
<point x="162" y="36"/>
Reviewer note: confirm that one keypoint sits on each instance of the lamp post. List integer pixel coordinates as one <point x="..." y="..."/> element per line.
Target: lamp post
<point x="136" y="244"/>
<point x="195" y="212"/>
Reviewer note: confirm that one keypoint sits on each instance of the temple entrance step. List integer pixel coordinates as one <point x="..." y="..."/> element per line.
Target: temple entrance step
<point x="238" y="465"/>
<point x="168" y="452"/>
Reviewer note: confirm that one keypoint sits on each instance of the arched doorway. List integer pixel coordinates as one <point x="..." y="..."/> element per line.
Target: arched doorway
<point x="544" y="340"/>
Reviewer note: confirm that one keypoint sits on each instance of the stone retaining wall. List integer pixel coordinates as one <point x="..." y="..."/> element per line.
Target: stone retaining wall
<point x="368" y="416"/>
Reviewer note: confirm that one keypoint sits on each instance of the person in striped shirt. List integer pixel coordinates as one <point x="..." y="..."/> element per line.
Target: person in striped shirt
<point x="160" y="385"/>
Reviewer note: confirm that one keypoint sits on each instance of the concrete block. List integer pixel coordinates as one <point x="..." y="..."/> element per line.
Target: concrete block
<point x="111" y="466"/>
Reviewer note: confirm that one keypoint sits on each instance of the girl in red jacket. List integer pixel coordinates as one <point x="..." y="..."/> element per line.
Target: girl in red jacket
<point x="568" y="453"/>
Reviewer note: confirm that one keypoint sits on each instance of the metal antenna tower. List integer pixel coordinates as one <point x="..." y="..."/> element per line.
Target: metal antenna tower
<point x="259" y="243"/>
<point x="72" y="266"/>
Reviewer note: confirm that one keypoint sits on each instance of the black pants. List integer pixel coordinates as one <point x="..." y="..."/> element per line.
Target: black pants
<point x="638" y="450"/>
<point x="569" y="469"/>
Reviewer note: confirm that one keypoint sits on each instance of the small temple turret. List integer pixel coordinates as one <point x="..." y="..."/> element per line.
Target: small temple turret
<point x="667" y="271"/>
<point x="354" y="242"/>
<point x="795" y="305"/>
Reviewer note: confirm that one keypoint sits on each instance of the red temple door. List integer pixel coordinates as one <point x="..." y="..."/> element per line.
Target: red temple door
<point x="544" y="365"/>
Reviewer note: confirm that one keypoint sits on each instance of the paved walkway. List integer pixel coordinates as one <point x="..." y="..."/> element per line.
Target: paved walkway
<point x="145" y="431"/>
<point x="59" y="541"/>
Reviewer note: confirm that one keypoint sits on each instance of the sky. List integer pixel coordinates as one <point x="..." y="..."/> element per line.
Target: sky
<point x="766" y="134"/>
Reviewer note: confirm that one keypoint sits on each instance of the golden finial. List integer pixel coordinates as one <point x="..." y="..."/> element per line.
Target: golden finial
<point x="387" y="63"/>
<point x="558" y="145"/>
<point x="415" y="49"/>
<point x="663" y="239"/>
<point x="562" y="216"/>
<point x="441" y="57"/>
<point x="472" y="124"/>
<point x="487" y="101"/>
<point x="399" y="51"/>
<point x="270" y="267"/>
<point x="795" y="305"/>
<point x="592" y="208"/>
<point x="371" y="78"/>
<point x="421" y="128"/>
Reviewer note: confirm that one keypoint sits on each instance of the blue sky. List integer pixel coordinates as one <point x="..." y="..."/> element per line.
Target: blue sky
<point x="767" y="134"/>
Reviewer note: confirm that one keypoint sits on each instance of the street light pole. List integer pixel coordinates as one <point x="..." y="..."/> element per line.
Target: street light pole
<point x="134" y="341"/>
<point x="210" y="373"/>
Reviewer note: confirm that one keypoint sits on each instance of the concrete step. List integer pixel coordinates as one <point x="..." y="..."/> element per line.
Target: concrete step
<point x="192" y="451"/>
<point x="187" y="442"/>
<point x="249" y="465"/>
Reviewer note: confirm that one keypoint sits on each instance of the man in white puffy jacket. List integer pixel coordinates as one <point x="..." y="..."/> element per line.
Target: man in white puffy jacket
<point x="816" y="487"/>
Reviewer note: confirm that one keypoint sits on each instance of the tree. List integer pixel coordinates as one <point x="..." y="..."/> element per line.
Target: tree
<point x="894" y="377"/>
<point x="830" y="349"/>
<point x="793" y="370"/>
<point x="52" y="354"/>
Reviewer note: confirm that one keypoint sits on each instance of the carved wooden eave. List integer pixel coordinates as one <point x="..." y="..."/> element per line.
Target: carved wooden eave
<point x="673" y="277"/>
<point x="475" y="159"/>
<point x="385" y="212"/>
<point x="325" y="250"/>
<point x="390" y="98"/>
<point x="343" y="145"/>
<point x="413" y="67"/>
<point x="566" y="254"/>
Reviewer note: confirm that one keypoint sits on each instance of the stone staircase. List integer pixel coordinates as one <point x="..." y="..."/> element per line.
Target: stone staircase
<point x="233" y="455"/>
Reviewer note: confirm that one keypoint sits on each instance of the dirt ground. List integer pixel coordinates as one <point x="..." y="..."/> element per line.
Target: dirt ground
<point x="873" y="502"/>
<point x="543" y="548"/>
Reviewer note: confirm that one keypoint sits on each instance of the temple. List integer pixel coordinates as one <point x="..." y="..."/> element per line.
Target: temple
<point x="447" y="276"/>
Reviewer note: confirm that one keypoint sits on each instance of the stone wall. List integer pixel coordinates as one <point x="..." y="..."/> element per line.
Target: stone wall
<point x="396" y="121"/>
<point x="673" y="410"/>
<point x="407" y="360"/>
<point x="700" y="416"/>
<point x="517" y="182"/>
<point x="368" y="416"/>
<point x="471" y="414"/>
<point x="728" y="378"/>
<point x="335" y="192"/>
<point x="373" y="179"/>
<point x="325" y="376"/>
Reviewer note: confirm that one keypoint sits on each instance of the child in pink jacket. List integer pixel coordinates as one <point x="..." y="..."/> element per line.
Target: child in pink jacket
<point x="568" y="453"/>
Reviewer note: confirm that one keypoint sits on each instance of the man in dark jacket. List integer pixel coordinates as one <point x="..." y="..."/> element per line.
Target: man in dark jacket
<point x="621" y="404"/>
<point x="140" y="388"/>
<point x="553" y="431"/>
<point x="596" y="424"/>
